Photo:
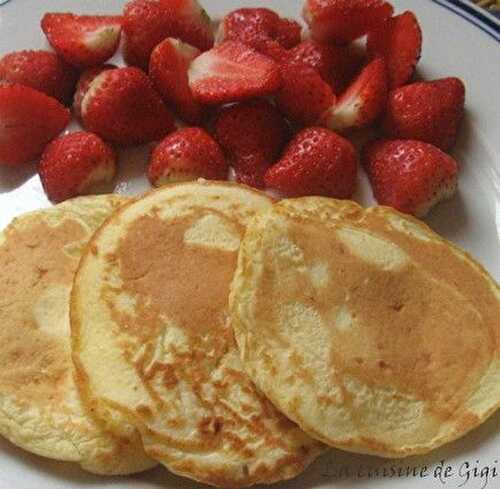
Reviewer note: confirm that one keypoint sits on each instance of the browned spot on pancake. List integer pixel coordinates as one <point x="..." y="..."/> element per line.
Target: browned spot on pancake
<point x="187" y="284"/>
<point x="35" y="364"/>
<point x="414" y="334"/>
<point x="184" y="288"/>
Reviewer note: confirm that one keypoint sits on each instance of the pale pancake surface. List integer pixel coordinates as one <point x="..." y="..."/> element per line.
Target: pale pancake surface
<point x="40" y="409"/>
<point x="365" y="327"/>
<point x="154" y="345"/>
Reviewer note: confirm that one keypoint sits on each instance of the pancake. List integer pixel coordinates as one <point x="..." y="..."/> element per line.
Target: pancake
<point x="153" y="344"/>
<point x="366" y="328"/>
<point x="40" y="409"/>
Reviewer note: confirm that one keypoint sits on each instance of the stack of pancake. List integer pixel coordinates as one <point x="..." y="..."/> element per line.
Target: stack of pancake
<point x="232" y="338"/>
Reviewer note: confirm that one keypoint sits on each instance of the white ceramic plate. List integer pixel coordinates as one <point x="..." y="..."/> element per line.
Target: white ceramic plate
<point x="459" y="41"/>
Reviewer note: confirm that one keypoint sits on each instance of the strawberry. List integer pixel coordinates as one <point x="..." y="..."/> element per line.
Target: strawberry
<point x="304" y="96"/>
<point x="343" y="21"/>
<point x="148" y="22"/>
<point x="362" y="102"/>
<point x="316" y="162"/>
<point x="261" y="29"/>
<point x="232" y="72"/>
<point x="168" y="69"/>
<point x="83" y="85"/>
<point x="337" y="65"/>
<point x="187" y="154"/>
<point x="72" y="164"/>
<point x="83" y="40"/>
<point x="251" y="169"/>
<point x="41" y="70"/>
<point x="252" y="134"/>
<point x="122" y="106"/>
<point x="410" y="176"/>
<point x="288" y="33"/>
<point x="29" y="119"/>
<point x="427" y="111"/>
<point x="399" y="42"/>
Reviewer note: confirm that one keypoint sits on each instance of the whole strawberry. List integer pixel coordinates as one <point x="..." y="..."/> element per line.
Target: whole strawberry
<point x="42" y="70"/>
<point x="410" y="176"/>
<point x="316" y="162"/>
<point x="168" y="69"/>
<point x="29" y="119"/>
<point x="72" y="164"/>
<point x="232" y="72"/>
<point x="83" y="40"/>
<point x="148" y="22"/>
<point x="260" y="28"/>
<point x="187" y="154"/>
<point x="123" y="107"/>
<point x="304" y="96"/>
<point x="252" y="135"/>
<point x="343" y="21"/>
<point x="399" y="42"/>
<point x="427" y="111"/>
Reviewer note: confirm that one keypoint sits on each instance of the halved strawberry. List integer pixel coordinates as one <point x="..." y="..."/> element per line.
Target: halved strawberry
<point x="316" y="162"/>
<point x="83" y="85"/>
<point x="344" y="20"/>
<point x="187" y="154"/>
<point x="399" y="42"/>
<point x="261" y="29"/>
<point x="304" y="96"/>
<point x="42" y="70"/>
<point x="232" y="72"/>
<point x="427" y="111"/>
<point x="83" y="40"/>
<point x="252" y="134"/>
<point x="410" y="176"/>
<point x="29" y="119"/>
<point x="362" y="102"/>
<point x="148" y="22"/>
<point x="73" y="164"/>
<point x="337" y="65"/>
<point x="122" y="106"/>
<point x="168" y="68"/>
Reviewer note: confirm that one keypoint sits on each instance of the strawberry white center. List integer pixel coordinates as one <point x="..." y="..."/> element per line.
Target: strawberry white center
<point x="102" y="38"/>
<point x="101" y="174"/>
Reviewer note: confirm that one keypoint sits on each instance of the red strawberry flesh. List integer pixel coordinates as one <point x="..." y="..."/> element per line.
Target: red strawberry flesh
<point x="428" y="111"/>
<point x="362" y="102"/>
<point x="316" y="162"/>
<point x="343" y="21"/>
<point x="187" y="154"/>
<point x="232" y="72"/>
<point x="83" y="40"/>
<point x="123" y="107"/>
<point x="29" y="119"/>
<point x="72" y="164"/>
<point x="410" y="176"/>
<point x="168" y="70"/>
<point x="304" y="96"/>
<point x="149" y="22"/>
<point x="42" y="70"/>
<point x="261" y="29"/>
<point x="399" y="42"/>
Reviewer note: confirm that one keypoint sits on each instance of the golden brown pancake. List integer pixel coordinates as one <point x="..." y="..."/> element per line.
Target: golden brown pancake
<point x="40" y="409"/>
<point x="154" y="346"/>
<point x="364" y="327"/>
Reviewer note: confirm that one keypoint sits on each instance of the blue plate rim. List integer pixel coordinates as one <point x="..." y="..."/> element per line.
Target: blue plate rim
<point x="475" y="15"/>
